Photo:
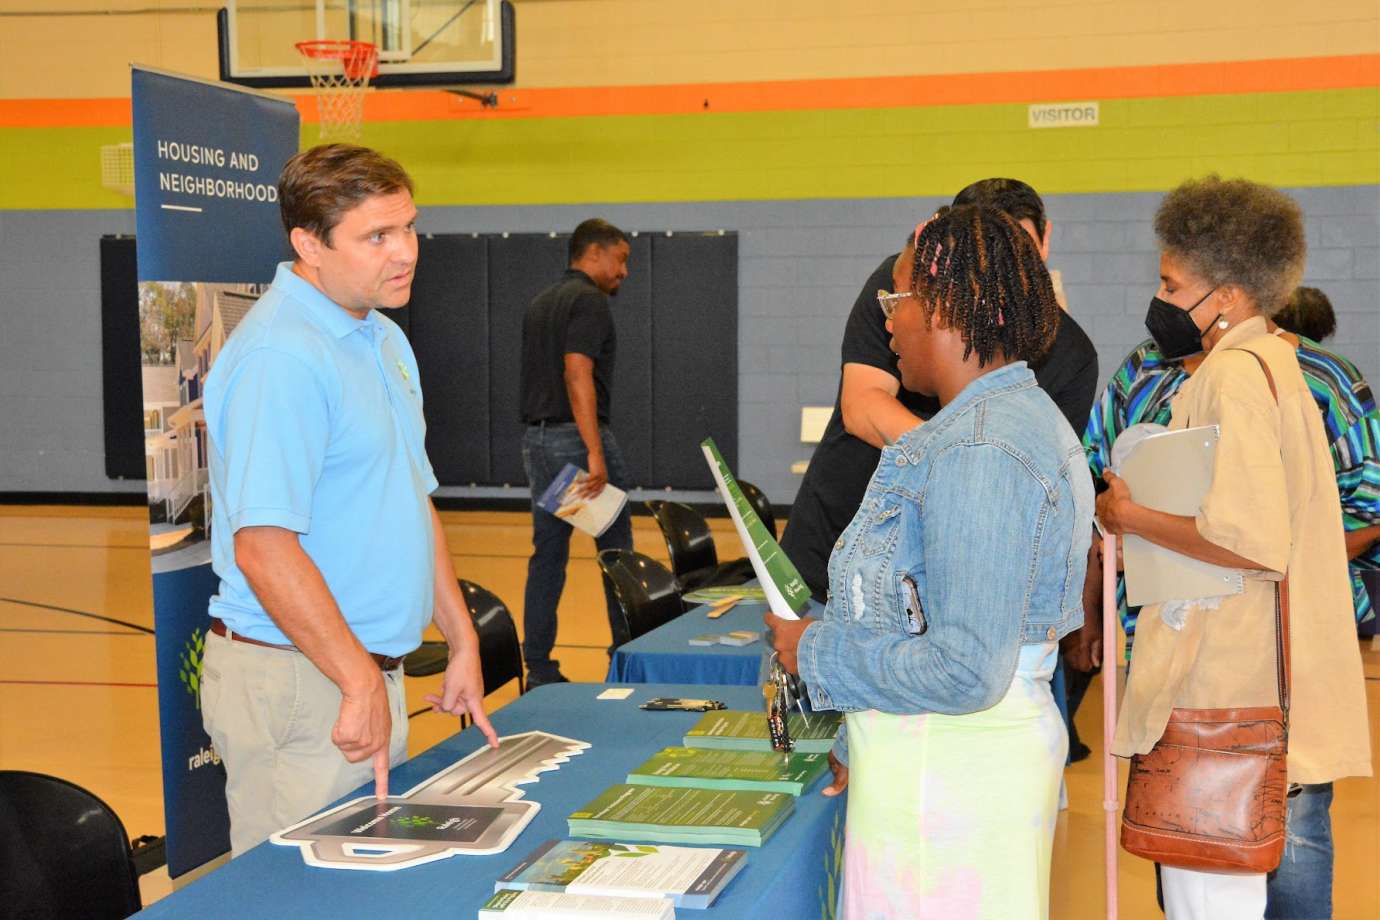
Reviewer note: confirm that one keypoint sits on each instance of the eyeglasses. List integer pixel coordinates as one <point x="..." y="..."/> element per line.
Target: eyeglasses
<point x="889" y="301"/>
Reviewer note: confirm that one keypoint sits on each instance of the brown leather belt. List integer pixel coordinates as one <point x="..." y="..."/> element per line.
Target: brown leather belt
<point x="219" y="628"/>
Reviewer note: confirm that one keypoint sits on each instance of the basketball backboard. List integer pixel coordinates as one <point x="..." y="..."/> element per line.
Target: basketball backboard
<point x="422" y="43"/>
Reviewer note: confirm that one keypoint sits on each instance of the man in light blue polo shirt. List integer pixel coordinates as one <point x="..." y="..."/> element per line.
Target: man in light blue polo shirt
<point x="331" y="557"/>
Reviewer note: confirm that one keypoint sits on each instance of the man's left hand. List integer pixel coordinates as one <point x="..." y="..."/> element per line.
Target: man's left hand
<point x="785" y="635"/>
<point x="462" y="691"/>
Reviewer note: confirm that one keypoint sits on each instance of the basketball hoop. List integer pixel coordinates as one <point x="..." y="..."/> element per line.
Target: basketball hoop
<point x="340" y="71"/>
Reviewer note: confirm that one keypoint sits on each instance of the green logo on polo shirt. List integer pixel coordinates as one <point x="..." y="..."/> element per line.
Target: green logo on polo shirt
<point x="189" y="664"/>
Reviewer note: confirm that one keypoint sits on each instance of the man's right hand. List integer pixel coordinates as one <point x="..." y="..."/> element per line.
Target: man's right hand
<point x="365" y="726"/>
<point x="598" y="477"/>
<point x="840" y="782"/>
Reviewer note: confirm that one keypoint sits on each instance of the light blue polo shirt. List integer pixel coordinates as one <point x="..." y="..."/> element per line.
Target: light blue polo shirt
<point x="315" y="425"/>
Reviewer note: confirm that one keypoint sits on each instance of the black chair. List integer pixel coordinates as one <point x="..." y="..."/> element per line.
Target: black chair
<point x="690" y="545"/>
<point x="648" y="595"/>
<point x="760" y="503"/>
<point x="63" y="852"/>
<point x="500" y="654"/>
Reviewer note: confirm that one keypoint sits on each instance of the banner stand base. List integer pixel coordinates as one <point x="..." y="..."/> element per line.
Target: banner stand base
<point x="191" y="875"/>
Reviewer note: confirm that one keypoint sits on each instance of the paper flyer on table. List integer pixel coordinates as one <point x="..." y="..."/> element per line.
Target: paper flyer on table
<point x="510" y="904"/>
<point x="787" y="593"/>
<point x="591" y="515"/>
<point x="690" y="876"/>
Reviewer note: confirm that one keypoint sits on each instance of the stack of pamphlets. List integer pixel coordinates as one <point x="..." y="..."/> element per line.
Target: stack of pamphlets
<point x="690" y="876"/>
<point x="713" y="594"/>
<point x="660" y="815"/>
<point x="751" y="771"/>
<point x="592" y="515"/>
<point x="737" y="638"/>
<point x="543" y="905"/>
<point x="743" y="730"/>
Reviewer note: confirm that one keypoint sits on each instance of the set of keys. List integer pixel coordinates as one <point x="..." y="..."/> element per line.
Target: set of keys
<point x="782" y="693"/>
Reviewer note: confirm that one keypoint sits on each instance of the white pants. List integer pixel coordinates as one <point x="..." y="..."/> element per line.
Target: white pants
<point x="269" y="713"/>
<point x="1190" y="894"/>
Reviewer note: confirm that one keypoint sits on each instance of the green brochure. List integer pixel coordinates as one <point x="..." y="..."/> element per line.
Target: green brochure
<point x="786" y="591"/>
<point x="742" y="730"/>
<point x="705" y="768"/>
<point x="657" y="814"/>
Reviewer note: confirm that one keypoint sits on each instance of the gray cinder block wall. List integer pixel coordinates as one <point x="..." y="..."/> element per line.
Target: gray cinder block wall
<point x="802" y="265"/>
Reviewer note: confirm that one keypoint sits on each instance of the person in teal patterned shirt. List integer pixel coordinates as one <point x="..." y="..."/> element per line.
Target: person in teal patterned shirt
<point x="1141" y="389"/>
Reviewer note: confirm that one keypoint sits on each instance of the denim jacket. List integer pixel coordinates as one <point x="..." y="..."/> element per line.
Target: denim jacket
<point x="971" y="541"/>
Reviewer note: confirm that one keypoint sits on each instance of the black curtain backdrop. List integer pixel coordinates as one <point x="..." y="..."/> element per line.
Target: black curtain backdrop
<point x="122" y="380"/>
<point x="676" y="380"/>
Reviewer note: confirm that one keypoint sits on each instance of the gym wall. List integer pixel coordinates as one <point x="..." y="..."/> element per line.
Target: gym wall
<point x="818" y="137"/>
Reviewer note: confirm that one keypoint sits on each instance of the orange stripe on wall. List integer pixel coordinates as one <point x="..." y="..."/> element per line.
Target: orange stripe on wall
<point x="1285" y="75"/>
<point x="1279" y="75"/>
<point x="64" y="113"/>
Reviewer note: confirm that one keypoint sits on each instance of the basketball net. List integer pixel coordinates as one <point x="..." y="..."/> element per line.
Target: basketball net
<point x="340" y="72"/>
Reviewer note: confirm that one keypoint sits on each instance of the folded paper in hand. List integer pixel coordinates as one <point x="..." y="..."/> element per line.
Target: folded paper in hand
<point x="592" y="515"/>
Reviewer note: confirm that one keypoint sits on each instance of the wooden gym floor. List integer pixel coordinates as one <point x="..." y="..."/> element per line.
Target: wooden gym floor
<point x="79" y="698"/>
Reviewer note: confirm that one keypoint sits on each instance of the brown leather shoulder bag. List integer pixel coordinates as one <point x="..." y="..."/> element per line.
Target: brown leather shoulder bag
<point x="1211" y="793"/>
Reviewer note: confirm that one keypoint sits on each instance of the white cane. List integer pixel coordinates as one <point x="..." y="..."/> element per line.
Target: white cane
<point x="1110" y="803"/>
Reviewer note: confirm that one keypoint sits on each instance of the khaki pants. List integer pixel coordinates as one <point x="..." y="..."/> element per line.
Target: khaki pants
<point x="269" y="713"/>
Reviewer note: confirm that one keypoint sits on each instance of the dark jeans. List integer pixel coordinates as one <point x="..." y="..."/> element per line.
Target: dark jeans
<point x="1075" y="688"/>
<point x="546" y="449"/>
<point x="1301" y="888"/>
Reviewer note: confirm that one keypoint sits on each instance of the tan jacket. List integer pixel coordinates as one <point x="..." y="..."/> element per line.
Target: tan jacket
<point x="1273" y="500"/>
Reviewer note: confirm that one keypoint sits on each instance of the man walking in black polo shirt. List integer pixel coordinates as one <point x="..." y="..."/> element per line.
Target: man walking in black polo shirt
<point x="568" y="349"/>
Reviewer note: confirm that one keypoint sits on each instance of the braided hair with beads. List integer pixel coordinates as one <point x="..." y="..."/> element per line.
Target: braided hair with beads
<point x="978" y="272"/>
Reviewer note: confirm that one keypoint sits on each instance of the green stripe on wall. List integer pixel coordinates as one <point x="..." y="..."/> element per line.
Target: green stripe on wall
<point x="1288" y="139"/>
<point x="57" y="168"/>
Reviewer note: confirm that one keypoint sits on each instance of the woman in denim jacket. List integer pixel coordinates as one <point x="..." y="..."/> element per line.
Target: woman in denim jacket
<point x="949" y="592"/>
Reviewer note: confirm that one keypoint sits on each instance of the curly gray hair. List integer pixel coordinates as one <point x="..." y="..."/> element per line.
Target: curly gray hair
<point x="1234" y="231"/>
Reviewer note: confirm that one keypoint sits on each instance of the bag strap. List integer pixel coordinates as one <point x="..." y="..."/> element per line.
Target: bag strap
<point x="1283" y="670"/>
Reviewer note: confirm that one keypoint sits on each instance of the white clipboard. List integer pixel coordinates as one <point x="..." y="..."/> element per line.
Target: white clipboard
<point x="1171" y="472"/>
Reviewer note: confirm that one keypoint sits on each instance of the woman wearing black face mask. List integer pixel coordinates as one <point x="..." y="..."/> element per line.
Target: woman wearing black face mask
<point x="1229" y="251"/>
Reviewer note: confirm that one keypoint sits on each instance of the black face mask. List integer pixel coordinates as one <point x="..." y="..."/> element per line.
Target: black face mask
<point x="1173" y="329"/>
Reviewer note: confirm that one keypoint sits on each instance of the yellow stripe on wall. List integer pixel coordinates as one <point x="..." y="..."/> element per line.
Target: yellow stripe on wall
<point x="1317" y="138"/>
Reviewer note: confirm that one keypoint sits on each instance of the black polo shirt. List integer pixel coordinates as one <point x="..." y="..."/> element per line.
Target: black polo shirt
<point x="570" y="317"/>
<point x="842" y="464"/>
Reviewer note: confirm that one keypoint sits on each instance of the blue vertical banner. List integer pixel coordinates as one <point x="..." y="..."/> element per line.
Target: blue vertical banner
<point x="206" y="163"/>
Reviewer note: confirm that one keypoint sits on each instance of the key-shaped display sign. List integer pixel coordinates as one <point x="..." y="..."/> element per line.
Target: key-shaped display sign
<point x="472" y="808"/>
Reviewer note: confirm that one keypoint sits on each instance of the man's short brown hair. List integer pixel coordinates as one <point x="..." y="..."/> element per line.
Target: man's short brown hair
<point x="319" y="185"/>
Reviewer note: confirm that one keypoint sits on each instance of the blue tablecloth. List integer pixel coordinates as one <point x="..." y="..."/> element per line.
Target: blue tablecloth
<point x="793" y="875"/>
<point x="665" y="654"/>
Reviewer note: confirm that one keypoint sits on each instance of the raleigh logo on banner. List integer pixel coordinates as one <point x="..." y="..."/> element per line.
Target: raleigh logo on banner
<point x="206" y="163"/>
